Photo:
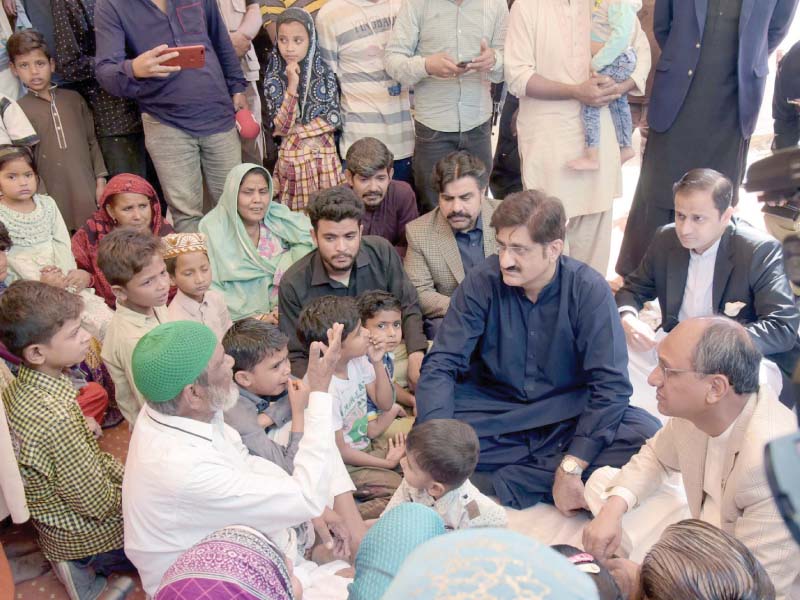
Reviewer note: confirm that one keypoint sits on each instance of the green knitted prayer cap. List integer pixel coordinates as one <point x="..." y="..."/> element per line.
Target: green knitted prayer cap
<point x="170" y="357"/>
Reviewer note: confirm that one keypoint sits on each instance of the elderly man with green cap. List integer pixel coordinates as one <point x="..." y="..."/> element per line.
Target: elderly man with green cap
<point x="188" y="474"/>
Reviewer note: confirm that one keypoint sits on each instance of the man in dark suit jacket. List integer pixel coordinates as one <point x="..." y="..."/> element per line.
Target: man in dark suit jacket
<point x="743" y="275"/>
<point x="706" y="95"/>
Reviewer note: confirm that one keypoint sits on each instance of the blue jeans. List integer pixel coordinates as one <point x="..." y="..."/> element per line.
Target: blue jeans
<point x="85" y="578"/>
<point x="403" y="171"/>
<point x="619" y="71"/>
<point x="431" y="146"/>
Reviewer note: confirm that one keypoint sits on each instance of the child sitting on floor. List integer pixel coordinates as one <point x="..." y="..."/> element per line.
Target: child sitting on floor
<point x="359" y="372"/>
<point x="302" y="98"/>
<point x="261" y="371"/>
<point x="131" y="261"/>
<point x="73" y="490"/>
<point x="74" y="171"/>
<point x="90" y="378"/>
<point x="267" y="399"/>
<point x="41" y="250"/>
<point x="441" y="454"/>
<point x="186" y="257"/>
<point x="613" y="29"/>
<point x="382" y="316"/>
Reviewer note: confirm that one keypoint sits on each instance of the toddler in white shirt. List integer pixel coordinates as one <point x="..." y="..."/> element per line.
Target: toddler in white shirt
<point x="441" y="454"/>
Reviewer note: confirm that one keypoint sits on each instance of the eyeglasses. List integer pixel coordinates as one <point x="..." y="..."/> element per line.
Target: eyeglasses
<point x="518" y="251"/>
<point x="665" y="371"/>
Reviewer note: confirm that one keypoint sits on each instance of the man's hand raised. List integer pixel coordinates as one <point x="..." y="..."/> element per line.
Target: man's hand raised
<point x="149" y="63"/>
<point x="322" y="359"/>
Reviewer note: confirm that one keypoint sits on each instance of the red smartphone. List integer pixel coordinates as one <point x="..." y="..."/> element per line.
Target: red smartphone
<point x="189" y="57"/>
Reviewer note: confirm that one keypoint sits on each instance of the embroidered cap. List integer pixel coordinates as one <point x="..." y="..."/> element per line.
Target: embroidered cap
<point x="181" y="243"/>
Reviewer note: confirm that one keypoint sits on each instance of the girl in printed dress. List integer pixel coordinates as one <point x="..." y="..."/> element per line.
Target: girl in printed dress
<point x="302" y="99"/>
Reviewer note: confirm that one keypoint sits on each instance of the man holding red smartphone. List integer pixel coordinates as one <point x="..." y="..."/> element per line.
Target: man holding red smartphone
<point x="188" y="113"/>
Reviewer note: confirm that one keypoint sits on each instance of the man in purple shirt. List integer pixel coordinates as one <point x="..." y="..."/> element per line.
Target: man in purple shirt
<point x="188" y="114"/>
<point x="389" y="204"/>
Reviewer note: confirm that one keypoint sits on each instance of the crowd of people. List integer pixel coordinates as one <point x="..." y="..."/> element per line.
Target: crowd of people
<point x="258" y="237"/>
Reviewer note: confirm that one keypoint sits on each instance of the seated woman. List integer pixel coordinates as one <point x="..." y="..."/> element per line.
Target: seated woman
<point x="251" y="243"/>
<point x="127" y="201"/>
<point x="233" y="563"/>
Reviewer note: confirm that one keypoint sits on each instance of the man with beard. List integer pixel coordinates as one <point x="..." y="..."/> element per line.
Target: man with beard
<point x="346" y="264"/>
<point x="390" y="205"/>
<point x="446" y="243"/>
<point x="188" y="474"/>
<point x="531" y="353"/>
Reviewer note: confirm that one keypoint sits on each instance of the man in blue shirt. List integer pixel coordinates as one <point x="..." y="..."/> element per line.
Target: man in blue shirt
<point x="188" y="114"/>
<point x="532" y="355"/>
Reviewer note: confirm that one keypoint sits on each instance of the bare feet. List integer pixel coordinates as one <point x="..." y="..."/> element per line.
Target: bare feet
<point x="584" y="163"/>
<point x="588" y="162"/>
<point x="625" y="154"/>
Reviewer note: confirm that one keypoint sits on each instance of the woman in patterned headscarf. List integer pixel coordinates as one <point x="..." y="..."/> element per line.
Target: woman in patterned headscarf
<point x="234" y="563"/>
<point x="127" y="201"/>
<point x="302" y="99"/>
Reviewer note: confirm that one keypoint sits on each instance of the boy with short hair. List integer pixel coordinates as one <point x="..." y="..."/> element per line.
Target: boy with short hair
<point x="186" y="257"/>
<point x="68" y="156"/>
<point x="382" y="315"/>
<point x="132" y="263"/>
<point x="262" y="372"/>
<point x="441" y="454"/>
<point x="73" y="490"/>
<point x="355" y="377"/>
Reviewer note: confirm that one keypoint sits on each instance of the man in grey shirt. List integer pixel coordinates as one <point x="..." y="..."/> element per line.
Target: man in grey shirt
<point x="451" y="52"/>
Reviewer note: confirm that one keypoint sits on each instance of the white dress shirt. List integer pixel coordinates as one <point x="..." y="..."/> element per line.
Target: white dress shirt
<point x="697" y="295"/>
<point x="185" y="479"/>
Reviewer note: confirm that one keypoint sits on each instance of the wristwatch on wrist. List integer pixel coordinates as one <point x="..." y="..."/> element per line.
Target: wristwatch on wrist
<point x="570" y="466"/>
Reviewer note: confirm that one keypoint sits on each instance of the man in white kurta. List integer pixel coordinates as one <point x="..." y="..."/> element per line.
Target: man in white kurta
<point x="548" y="67"/>
<point x="188" y="474"/>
